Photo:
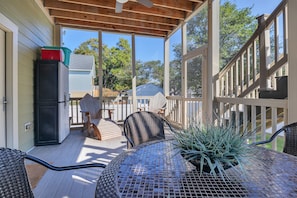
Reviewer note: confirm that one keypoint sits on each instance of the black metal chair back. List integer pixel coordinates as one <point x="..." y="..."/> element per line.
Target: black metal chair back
<point x="143" y="126"/>
<point x="290" y="133"/>
<point x="14" y="179"/>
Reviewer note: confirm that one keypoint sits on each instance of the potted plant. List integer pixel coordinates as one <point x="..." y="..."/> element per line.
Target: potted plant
<point x="212" y="148"/>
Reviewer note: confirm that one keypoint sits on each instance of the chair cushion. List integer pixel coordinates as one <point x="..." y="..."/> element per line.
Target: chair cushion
<point x="14" y="180"/>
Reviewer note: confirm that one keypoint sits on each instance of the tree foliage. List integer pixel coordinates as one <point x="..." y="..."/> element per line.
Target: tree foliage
<point x="117" y="70"/>
<point x="117" y="66"/>
<point x="175" y="71"/>
<point x="236" y="26"/>
<point x="89" y="47"/>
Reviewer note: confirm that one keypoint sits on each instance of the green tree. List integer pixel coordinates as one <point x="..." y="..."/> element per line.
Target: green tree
<point x="236" y="27"/>
<point x="151" y="71"/>
<point x="117" y="66"/>
<point x="116" y="63"/>
<point x="141" y="73"/>
<point x="175" y="71"/>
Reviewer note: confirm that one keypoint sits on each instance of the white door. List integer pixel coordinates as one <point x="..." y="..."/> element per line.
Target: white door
<point x="2" y="91"/>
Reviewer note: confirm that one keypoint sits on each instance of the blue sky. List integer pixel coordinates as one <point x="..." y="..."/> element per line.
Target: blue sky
<point x="259" y="7"/>
<point x="148" y="48"/>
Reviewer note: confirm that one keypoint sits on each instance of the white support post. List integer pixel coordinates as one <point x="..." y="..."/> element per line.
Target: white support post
<point x="245" y="118"/>
<point x="100" y="68"/>
<point x="254" y="121"/>
<point x="274" y="125"/>
<point x="292" y="61"/>
<point x="237" y="118"/>
<point x="263" y="123"/>
<point x="213" y="58"/>
<point x="184" y="75"/>
<point x="264" y="53"/>
<point x="166" y="84"/>
<point x="134" y="100"/>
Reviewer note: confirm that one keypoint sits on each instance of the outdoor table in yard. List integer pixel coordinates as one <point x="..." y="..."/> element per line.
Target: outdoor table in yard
<point x="156" y="169"/>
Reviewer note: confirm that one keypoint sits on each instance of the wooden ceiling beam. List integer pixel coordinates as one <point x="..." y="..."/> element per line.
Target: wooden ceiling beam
<point x="186" y="6"/>
<point x="160" y="20"/>
<point x="132" y="7"/>
<point x="108" y="20"/>
<point x="198" y="1"/>
<point x="108" y="27"/>
<point x="57" y="5"/>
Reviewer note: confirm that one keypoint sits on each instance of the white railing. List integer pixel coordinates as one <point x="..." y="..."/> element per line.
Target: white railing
<point x="184" y="111"/>
<point x="261" y="116"/>
<point x="121" y="108"/>
<point x="253" y="69"/>
<point x="260" y="60"/>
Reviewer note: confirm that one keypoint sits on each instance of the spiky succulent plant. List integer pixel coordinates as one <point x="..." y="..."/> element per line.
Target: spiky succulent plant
<point x="212" y="148"/>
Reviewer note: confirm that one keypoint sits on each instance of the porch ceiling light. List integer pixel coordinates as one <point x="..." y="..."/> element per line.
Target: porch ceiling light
<point x="122" y="1"/>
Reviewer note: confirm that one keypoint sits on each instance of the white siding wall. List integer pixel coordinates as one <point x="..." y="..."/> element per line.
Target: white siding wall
<point x="35" y="30"/>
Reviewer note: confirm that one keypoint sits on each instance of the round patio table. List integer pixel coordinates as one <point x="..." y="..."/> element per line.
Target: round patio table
<point x="156" y="169"/>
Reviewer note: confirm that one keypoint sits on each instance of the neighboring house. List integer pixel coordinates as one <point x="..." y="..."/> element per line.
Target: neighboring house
<point x="81" y="75"/>
<point x="149" y="89"/>
<point x="144" y="93"/>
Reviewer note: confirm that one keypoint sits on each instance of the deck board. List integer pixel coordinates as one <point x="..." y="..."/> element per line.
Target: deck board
<point x="75" y="149"/>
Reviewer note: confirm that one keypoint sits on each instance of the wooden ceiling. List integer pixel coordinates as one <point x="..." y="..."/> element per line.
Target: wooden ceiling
<point x="160" y="20"/>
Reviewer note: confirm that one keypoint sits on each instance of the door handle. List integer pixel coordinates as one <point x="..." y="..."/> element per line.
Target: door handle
<point x="4" y="101"/>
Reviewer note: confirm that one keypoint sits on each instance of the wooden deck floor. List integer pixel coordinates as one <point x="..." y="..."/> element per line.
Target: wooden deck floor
<point x="74" y="150"/>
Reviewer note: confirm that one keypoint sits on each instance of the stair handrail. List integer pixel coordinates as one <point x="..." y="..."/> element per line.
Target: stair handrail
<point x="263" y="25"/>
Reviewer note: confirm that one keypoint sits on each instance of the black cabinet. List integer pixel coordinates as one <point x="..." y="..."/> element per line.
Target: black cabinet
<point x="51" y="102"/>
<point x="46" y="127"/>
<point x="46" y="110"/>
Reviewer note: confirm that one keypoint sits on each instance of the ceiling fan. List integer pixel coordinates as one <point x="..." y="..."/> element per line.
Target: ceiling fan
<point x="120" y="3"/>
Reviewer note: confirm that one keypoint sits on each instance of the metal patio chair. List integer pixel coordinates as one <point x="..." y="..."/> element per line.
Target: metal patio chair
<point x="144" y="126"/>
<point x="290" y="133"/>
<point x="13" y="175"/>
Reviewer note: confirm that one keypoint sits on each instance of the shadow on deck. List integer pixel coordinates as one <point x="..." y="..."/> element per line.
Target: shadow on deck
<point x="75" y="149"/>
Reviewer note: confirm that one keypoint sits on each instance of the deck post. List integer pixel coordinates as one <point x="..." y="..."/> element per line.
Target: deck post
<point x="134" y="99"/>
<point x="166" y="68"/>
<point x="292" y="61"/>
<point x="264" y="52"/>
<point x="212" y="61"/>
<point x="184" y="75"/>
<point x="100" y="67"/>
<point x="57" y="35"/>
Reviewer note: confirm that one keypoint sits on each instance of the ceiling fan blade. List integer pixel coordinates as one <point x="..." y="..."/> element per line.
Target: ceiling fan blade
<point x="146" y="3"/>
<point x="119" y="7"/>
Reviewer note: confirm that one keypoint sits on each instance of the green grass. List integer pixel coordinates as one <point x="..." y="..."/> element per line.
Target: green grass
<point x="280" y="140"/>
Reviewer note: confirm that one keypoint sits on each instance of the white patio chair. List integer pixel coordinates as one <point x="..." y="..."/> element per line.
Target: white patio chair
<point x="94" y="123"/>
<point x="157" y="104"/>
